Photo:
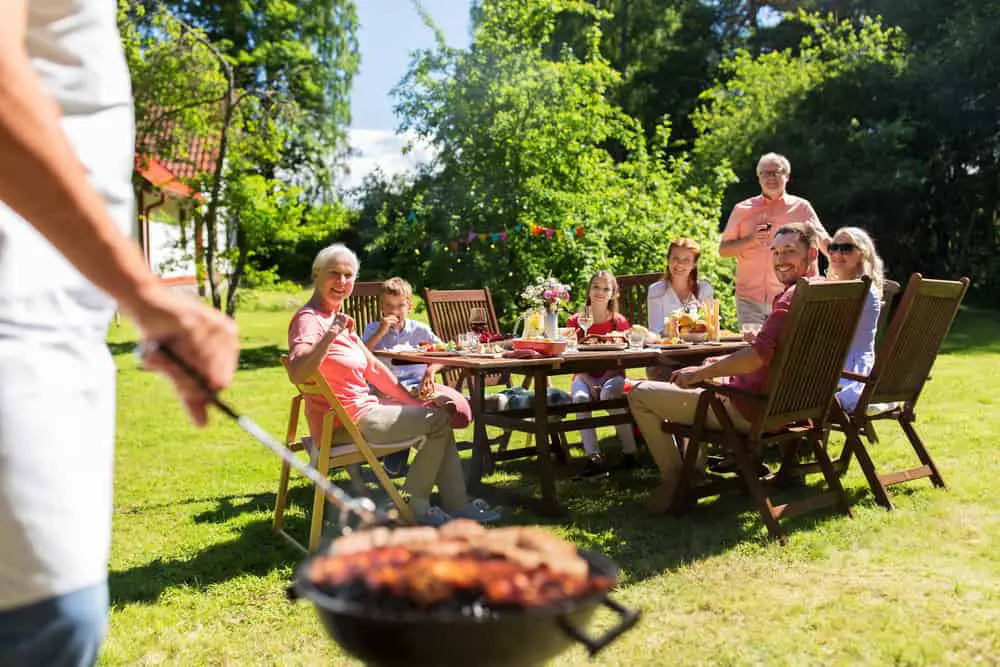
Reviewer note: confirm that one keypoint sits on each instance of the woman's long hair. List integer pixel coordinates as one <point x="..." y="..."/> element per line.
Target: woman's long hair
<point x="689" y="244"/>
<point x="613" y="301"/>
<point x="871" y="263"/>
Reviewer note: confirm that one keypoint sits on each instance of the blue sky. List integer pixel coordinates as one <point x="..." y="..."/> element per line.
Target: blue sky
<point x="389" y="31"/>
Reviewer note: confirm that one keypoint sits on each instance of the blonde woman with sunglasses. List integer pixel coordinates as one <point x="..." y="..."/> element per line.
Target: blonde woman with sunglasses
<point x="853" y="255"/>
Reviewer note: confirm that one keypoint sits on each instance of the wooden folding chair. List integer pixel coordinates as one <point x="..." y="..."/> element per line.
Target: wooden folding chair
<point x="363" y="306"/>
<point x="797" y="405"/>
<point x="903" y="364"/>
<point x="890" y="289"/>
<point x="632" y="291"/>
<point x="448" y="312"/>
<point x="331" y="456"/>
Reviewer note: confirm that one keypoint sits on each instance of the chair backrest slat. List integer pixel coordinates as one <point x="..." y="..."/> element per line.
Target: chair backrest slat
<point x="632" y="290"/>
<point x="362" y="305"/>
<point x="906" y="354"/>
<point x="812" y="351"/>
<point x="890" y="290"/>
<point x="448" y="312"/>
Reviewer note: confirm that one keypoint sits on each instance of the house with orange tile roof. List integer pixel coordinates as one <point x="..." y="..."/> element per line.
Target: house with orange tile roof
<point x="167" y="173"/>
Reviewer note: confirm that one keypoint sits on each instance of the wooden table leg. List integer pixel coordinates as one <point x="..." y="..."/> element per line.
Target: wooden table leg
<point x="482" y="457"/>
<point x="546" y="476"/>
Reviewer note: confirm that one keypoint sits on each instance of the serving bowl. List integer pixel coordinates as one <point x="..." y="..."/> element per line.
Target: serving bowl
<point x="542" y="346"/>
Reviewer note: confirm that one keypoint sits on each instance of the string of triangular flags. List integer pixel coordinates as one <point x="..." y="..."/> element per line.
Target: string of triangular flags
<point x="493" y="238"/>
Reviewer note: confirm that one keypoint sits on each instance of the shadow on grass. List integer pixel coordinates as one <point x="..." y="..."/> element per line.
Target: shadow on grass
<point x="257" y="551"/>
<point x="128" y="347"/>
<point x="265" y="356"/>
<point x="608" y="515"/>
<point x="974" y="332"/>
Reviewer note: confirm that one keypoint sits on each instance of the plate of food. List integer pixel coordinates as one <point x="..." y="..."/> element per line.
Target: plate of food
<point x="436" y="350"/>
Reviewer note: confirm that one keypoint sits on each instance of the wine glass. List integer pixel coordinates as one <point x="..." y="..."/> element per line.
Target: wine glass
<point x="585" y="319"/>
<point x="477" y="320"/>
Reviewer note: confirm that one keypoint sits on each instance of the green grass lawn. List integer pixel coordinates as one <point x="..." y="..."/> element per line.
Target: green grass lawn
<point x="197" y="577"/>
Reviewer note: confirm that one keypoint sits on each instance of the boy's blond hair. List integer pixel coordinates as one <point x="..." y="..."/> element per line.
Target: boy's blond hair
<point x="397" y="287"/>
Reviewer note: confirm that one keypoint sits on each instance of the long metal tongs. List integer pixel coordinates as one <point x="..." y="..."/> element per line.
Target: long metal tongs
<point x="362" y="508"/>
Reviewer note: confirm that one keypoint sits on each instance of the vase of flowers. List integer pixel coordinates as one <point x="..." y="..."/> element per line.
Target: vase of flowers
<point x="547" y="294"/>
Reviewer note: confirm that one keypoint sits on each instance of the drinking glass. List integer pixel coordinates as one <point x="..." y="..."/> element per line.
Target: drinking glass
<point x="585" y="319"/>
<point x="749" y="331"/>
<point x="467" y="341"/>
<point x="477" y="320"/>
<point x="636" y="339"/>
<point x="569" y="335"/>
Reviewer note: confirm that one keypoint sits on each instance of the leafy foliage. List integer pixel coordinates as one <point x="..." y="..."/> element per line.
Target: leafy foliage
<point x="522" y="141"/>
<point x="889" y="127"/>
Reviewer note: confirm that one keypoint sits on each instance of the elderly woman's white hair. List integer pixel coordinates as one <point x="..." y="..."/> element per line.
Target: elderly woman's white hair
<point x="332" y="253"/>
<point x="782" y="161"/>
<point x="871" y="263"/>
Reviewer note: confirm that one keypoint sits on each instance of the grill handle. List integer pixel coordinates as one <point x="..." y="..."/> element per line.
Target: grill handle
<point x="628" y="618"/>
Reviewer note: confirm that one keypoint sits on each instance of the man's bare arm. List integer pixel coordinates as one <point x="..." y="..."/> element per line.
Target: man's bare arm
<point x="42" y="180"/>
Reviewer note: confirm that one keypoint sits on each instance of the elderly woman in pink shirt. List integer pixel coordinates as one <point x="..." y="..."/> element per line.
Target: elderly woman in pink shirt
<point x="322" y="337"/>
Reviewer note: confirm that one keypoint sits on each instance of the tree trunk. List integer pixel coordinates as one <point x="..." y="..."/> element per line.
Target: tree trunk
<point x="243" y="252"/>
<point x="212" y="217"/>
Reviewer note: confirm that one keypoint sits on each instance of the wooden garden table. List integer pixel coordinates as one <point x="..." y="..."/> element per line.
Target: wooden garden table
<point x="535" y="420"/>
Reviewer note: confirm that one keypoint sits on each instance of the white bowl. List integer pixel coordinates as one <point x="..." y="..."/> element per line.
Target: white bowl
<point x="695" y="337"/>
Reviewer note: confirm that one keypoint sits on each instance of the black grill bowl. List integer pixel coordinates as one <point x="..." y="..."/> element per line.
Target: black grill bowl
<point x="448" y="639"/>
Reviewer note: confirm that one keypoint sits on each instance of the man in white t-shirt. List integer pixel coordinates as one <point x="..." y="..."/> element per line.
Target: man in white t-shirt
<point x="66" y="154"/>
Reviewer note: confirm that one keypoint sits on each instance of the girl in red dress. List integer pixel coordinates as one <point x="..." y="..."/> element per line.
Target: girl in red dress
<point x="608" y="326"/>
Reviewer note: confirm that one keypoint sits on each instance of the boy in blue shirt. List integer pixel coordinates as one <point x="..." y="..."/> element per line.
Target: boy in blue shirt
<point x="394" y="330"/>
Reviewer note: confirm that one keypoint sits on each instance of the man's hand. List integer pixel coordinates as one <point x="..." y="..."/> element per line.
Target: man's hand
<point x="427" y="383"/>
<point x="205" y="338"/>
<point x="687" y="377"/>
<point x="762" y="232"/>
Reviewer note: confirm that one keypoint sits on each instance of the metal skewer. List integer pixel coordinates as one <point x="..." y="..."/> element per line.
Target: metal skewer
<point x="363" y="508"/>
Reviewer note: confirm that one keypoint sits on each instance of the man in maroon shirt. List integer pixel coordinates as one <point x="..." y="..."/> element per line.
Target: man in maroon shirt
<point x="793" y="253"/>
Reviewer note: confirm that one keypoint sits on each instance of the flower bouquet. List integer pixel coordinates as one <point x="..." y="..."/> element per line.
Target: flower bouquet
<point x="546" y="293"/>
<point x="544" y="297"/>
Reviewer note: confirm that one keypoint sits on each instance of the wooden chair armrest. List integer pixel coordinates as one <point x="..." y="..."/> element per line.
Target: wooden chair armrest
<point x="854" y="376"/>
<point x="732" y="392"/>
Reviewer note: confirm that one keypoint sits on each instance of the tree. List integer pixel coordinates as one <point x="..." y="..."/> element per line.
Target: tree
<point x="521" y="142"/>
<point x="892" y="128"/>
<point x="302" y="52"/>
<point x="183" y="82"/>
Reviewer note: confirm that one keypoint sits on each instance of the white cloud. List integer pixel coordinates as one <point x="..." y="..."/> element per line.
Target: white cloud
<point x="382" y="149"/>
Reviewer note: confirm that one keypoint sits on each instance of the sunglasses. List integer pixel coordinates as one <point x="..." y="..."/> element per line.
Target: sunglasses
<point x="843" y="247"/>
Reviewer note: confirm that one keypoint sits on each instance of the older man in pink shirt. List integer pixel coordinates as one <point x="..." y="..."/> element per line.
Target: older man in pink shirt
<point x="750" y="232"/>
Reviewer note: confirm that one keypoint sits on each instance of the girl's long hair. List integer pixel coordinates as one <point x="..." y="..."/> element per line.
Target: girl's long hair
<point x="689" y="244"/>
<point x="613" y="301"/>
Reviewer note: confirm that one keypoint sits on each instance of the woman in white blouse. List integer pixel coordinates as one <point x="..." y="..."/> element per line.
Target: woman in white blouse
<point x="680" y="285"/>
